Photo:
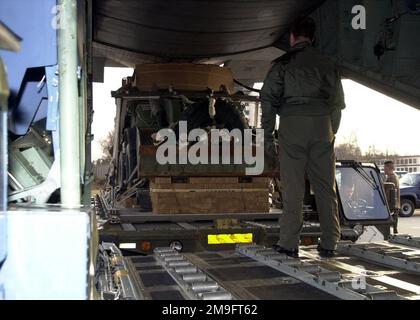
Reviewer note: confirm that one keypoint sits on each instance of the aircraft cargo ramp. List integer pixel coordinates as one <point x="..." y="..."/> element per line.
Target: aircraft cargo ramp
<point x="255" y="272"/>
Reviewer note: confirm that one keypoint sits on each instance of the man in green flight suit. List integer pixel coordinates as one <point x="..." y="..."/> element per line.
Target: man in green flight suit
<point x="391" y="177"/>
<point x="304" y="88"/>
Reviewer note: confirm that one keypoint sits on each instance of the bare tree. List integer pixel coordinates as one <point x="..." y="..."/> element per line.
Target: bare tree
<point x="352" y="151"/>
<point x="107" y="144"/>
<point x="348" y="151"/>
<point x="375" y="155"/>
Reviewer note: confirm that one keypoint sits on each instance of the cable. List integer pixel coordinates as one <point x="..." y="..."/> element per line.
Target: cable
<point x="246" y="87"/>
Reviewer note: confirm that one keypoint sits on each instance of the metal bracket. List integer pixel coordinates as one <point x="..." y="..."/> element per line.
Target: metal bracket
<point x="52" y="88"/>
<point x="43" y="191"/>
<point x="195" y="283"/>
<point x="114" y="280"/>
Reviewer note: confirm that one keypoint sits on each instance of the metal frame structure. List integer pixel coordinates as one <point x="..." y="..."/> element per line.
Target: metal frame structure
<point x="57" y="48"/>
<point x="405" y="239"/>
<point x="317" y="276"/>
<point x="250" y="276"/>
<point x="4" y="94"/>
<point x="196" y="284"/>
<point x="115" y="280"/>
<point x="69" y="113"/>
<point x="384" y="277"/>
<point x="8" y="41"/>
<point x="385" y="255"/>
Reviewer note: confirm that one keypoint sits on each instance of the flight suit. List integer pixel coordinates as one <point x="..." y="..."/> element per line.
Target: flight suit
<point x="304" y="88"/>
<point x="393" y="178"/>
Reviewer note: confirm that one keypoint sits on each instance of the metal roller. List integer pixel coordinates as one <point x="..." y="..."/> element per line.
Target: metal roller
<point x="280" y="256"/>
<point x="173" y="258"/>
<point x="254" y="250"/>
<point x="190" y="277"/>
<point x="204" y="286"/>
<point x="323" y="279"/>
<point x="309" y="268"/>
<point x="247" y="246"/>
<point x="219" y="295"/>
<point x="168" y="254"/>
<point x="175" y="264"/>
<point x="348" y="284"/>
<point x="267" y="253"/>
<point x="291" y="262"/>
<point x="264" y="251"/>
<point x="164" y="250"/>
<point x="385" y="295"/>
<point x="277" y="257"/>
<point x="188" y="269"/>
<point x="331" y="276"/>
<point x="194" y="282"/>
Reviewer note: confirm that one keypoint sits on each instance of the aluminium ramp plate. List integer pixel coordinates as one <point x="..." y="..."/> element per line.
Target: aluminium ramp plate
<point x="314" y="275"/>
<point x="384" y="254"/>
<point x="153" y="280"/>
<point x="196" y="284"/>
<point x="405" y="239"/>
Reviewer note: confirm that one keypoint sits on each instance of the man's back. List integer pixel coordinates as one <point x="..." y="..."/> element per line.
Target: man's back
<point x="303" y="82"/>
<point x="310" y="84"/>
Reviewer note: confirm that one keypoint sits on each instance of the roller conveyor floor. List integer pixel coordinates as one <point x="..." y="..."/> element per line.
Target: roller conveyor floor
<point x="255" y="272"/>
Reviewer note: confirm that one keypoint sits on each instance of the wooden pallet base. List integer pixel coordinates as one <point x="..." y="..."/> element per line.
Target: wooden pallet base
<point x="200" y="195"/>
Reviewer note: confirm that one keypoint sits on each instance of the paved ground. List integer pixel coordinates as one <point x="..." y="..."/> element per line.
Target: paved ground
<point x="411" y="225"/>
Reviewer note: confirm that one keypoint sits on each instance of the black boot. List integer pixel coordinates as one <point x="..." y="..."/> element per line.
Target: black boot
<point x="324" y="252"/>
<point x="291" y="253"/>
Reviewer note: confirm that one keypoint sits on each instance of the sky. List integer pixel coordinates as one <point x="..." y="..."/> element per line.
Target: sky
<point x="373" y="118"/>
<point x="378" y="120"/>
<point x="104" y="106"/>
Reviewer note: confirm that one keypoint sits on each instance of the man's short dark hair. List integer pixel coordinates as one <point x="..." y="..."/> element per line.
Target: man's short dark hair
<point x="390" y="164"/>
<point x="304" y="27"/>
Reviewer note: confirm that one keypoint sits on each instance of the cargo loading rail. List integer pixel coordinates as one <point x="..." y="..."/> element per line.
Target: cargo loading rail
<point x="331" y="282"/>
<point x="405" y="239"/>
<point x="385" y="254"/>
<point x="257" y="272"/>
<point x="194" y="283"/>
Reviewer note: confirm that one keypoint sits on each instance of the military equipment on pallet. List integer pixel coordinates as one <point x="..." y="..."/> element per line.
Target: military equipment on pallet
<point x="165" y="97"/>
<point x="202" y="206"/>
